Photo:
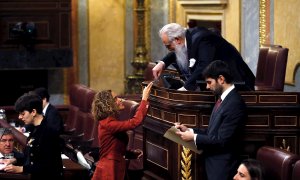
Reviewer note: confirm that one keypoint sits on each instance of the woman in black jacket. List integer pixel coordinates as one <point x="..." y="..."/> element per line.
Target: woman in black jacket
<point x="43" y="149"/>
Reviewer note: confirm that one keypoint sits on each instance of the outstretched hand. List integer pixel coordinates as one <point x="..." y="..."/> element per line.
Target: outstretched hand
<point x="146" y="91"/>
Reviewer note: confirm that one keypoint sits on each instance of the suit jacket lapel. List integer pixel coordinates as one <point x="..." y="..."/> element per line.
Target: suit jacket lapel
<point x="214" y="116"/>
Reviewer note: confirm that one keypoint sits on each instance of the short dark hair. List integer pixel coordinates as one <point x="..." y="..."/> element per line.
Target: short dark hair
<point x="28" y="102"/>
<point x="43" y="93"/>
<point x="217" y="68"/>
<point x="255" y="169"/>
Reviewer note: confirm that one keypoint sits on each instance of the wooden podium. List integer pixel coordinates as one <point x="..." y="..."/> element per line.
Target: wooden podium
<point x="273" y="119"/>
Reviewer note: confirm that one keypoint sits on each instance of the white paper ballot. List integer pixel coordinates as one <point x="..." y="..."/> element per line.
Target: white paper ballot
<point x="63" y="156"/>
<point x="171" y="134"/>
<point x="82" y="161"/>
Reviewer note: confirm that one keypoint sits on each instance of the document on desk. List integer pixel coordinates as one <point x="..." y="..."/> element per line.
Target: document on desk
<point x="171" y="135"/>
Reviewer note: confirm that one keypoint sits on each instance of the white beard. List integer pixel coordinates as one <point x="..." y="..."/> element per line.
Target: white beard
<point x="181" y="58"/>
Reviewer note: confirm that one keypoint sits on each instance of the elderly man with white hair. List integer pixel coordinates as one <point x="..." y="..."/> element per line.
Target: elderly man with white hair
<point x="191" y="50"/>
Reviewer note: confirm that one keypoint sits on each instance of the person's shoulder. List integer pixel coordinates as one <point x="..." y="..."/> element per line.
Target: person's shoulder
<point x="52" y="111"/>
<point x="18" y="154"/>
<point x="193" y="31"/>
<point x="52" y="108"/>
<point x="238" y="97"/>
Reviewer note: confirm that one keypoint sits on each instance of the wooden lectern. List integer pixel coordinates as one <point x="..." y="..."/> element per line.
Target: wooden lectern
<point x="273" y="119"/>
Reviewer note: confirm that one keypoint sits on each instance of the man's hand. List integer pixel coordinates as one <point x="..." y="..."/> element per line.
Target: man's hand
<point x="138" y="153"/>
<point x="186" y="136"/>
<point x="158" y="68"/>
<point x="134" y="154"/>
<point x="8" y="161"/>
<point x="13" y="169"/>
<point x="181" y="127"/>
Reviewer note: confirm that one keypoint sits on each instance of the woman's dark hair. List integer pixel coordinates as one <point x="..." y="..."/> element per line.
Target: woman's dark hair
<point x="28" y="102"/>
<point x="217" y="68"/>
<point x="254" y="168"/>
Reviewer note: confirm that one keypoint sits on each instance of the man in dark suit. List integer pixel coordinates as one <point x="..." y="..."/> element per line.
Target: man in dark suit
<point x="54" y="119"/>
<point x="193" y="49"/>
<point x="221" y="141"/>
<point x="8" y="154"/>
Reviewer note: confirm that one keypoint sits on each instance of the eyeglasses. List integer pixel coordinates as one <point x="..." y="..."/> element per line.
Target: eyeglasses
<point x="6" y="140"/>
<point x="168" y="45"/>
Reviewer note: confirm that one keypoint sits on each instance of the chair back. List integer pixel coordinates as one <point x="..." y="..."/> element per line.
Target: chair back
<point x="296" y="171"/>
<point x="271" y="68"/>
<point x="277" y="163"/>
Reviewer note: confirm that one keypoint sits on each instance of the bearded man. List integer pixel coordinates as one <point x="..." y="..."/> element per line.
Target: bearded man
<point x="191" y="50"/>
<point x="221" y="140"/>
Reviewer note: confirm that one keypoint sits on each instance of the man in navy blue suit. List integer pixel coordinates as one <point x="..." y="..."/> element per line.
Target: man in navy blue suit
<point x="191" y="50"/>
<point x="50" y="112"/>
<point x="221" y="141"/>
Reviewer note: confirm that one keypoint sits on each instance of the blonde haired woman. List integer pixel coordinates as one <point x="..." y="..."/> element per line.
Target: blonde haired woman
<point x="112" y="132"/>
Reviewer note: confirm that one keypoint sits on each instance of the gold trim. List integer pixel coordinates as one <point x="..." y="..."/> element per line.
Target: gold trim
<point x="203" y="2"/>
<point x="284" y="146"/>
<point x="172" y="10"/>
<point x="262" y="21"/>
<point x="186" y="163"/>
<point x="294" y="138"/>
<point x="167" y="168"/>
<point x="148" y="28"/>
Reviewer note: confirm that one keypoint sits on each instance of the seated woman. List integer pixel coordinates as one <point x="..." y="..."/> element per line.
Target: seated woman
<point x="112" y="132"/>
<point x="249" y="169"/>
<point x="43" y="150"/>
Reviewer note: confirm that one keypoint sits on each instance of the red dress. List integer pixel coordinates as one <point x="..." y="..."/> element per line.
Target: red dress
<point x="112" y="142"/>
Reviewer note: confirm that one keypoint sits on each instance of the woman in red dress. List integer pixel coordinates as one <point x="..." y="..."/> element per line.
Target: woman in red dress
<point x="112" y="133"/>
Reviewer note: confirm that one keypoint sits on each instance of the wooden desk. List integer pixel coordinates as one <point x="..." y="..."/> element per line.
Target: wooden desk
<point x="5" y="176"/>
<point x="74" y="171"/>
<point x="273" y="119"/>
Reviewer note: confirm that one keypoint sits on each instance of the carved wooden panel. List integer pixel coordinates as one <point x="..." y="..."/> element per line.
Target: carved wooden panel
<point x="188" y="119"/>
<point x="273" y="119"/>
<point x="157" y="155"/>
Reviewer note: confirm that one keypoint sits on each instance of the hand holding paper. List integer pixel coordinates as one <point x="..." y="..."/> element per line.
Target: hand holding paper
<point x="180" y="126"/>
<point x="173" y="136"/>
<point x="186" y="135"/>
